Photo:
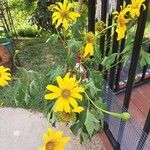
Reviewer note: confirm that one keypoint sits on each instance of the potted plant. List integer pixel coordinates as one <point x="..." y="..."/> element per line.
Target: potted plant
<point x="5" y="41"/>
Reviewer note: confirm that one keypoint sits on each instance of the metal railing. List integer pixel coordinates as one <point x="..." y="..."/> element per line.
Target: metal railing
<point x="122" y="135"/>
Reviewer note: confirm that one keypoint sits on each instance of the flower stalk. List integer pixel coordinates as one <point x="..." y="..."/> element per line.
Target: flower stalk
<point x="124" y="116"/>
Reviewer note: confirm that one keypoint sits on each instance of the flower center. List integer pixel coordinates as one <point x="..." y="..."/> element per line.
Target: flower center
<point x="90" y="37"/>
<point x="50" y="146"/>
<point x="121" y="22"/>
<point x="66" y="93"/>
<point x="66" y="117"/>
<point x="64" y="14"/>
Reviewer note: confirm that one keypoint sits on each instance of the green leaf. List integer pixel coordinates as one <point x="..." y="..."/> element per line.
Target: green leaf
<point x="52" y="38"/>
<point x="100" y="104"/>
<point x="93" y="89"/>
<point x="84" y="137"/>
<point x="75" y="128"/>
<point x="97" y="78"/>
<point x="109" y="60"/>
<point x="34" y="75"/>
<point x="80" y="124"/>
<point x="90" y="123"/>
<point x="73" y="43"/>
<point x="53" y="73"/>
<point x="145" y="58"/>
<point x="71" y="60"/>
<point x="33" y="88"/>
<point x="21" y="93"/>
<point x="97" y="54"/>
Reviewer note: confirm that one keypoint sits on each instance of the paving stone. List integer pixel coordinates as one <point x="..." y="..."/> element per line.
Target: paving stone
<point x="21" y="129"/>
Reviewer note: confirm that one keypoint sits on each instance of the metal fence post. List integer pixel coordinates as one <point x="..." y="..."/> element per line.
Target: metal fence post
<point x="103" y="18"/>
<point x="91" y="15"/>
<point x="114" y="50"/>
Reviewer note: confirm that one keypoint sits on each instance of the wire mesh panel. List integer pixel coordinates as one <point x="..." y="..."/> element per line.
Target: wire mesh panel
<point x="132" y="134"/>
<point x="148" y="142"/>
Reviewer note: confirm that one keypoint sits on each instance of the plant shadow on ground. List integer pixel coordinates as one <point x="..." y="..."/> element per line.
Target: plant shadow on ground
<point x="34" y="54"/>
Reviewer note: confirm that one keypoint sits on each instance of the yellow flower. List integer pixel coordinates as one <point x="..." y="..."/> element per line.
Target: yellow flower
<point x="89" y="49"/>
<point x="135" y="7"/>
<point x="66" y="94"/>
<point x="121" y="22"/>
<point x="5" y="76"/>
<point x="62" y="14"/>
<point x="66" y="117"/>
<point x="54" y="140"/>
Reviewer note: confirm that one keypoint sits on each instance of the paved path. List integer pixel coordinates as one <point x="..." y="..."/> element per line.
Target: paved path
<point x="23" y="130"/>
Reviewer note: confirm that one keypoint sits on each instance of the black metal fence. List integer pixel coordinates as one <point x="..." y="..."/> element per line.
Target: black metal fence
<point x="123" y="135"/>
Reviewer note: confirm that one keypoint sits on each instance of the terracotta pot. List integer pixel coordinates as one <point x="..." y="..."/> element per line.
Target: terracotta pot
<point x="5" y="58"/>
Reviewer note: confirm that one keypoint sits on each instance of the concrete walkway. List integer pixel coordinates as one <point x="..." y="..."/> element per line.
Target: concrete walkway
<point x="21" y="129"/>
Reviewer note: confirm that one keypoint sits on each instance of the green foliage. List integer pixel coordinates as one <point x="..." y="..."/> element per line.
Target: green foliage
<point x="42" y="16"/>
<point x="28" y="32"/>
<point x="53" y="73"/>
<point x="29" y="89"/>
<point x="24" y="6"/>
<point x="53" y="38"/>
<point x="74" y="43"/>
<point x="109" y="60"/>
<point x="92" y="88"/>
<point x="145" y="58"/>
<point x="90" y="123"/>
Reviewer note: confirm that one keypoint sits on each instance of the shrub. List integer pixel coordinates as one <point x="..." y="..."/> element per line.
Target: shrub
<point x="28" y="32"/>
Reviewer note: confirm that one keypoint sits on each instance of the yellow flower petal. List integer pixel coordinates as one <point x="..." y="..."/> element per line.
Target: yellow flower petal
<point x="66" y="106"/>
<point x="58" y="134"/>
<point x="60" y="5"/>
<point x="74" y="15"/>
<point x="54" y="89"/>
<point x="58" y="22"/>
<point x="88" y="50"/>
<point x="78" y="89"/>
<point x="67" y="76"/>
<point x="73" y="102"/>
<point x="52" y="96"/>
<point x="56" y="8"/>
<point x="60" y="82"/>
<point x="45" y="138"/>
<point x="65" y="24"/>
<point x="5" y="76"/>
<point x="78" y="109"/>
<point x="76" y="95"/>
<point x="57" y="15"/>
<point x="66" y="139"/>
<point x="59" y="105"/>
<point x="54" y="20"/>
<point x="54" y="140"/>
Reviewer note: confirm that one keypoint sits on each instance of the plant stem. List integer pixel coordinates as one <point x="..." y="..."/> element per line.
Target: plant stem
<point x="124" y="116"/>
